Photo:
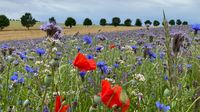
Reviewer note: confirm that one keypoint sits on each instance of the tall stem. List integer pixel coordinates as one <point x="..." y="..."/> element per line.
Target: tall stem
<point x="7" y="79"/>
<point x="167" y="44"/>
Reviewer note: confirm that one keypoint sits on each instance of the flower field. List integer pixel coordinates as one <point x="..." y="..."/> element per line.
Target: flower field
<point x="148" y="70"/>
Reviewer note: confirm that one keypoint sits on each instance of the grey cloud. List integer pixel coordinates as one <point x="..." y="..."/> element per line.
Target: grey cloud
<point x="96" y="9"/>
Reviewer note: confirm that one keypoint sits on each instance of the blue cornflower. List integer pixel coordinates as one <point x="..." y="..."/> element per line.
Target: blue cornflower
<point x="87" y="39"/>
<point x="15" y="78"/>
<point x="162" y="55"/>
<point x="90" y="56"/>
<point x="82" y="73"/>
<point x="40" y="51"/>
<point x="196" y="27"/>
<point x="152" y="54"/>
<point x="101" y="64"/>
<point x="105" y="69"/>
<point x="58" y="53"/>
<point x="139" y="62"/>
<point x="166" y="77"/>
<point x="159" y="105"/>
<point x="4" y="46"/>
<point x="30" y="70"/>
<point x="21" y="80"/>
<point x="198" y="57"/>
<point x="162" y="106"/>
<point x="134" y="47"/>
<point x="116" y="65"/>
<point x="99" y="48"/>
<point x="46" y="109"/>
<point x="166" y="108"/>
<point x="23" y="56"/>
<point x="78" y="48"/>
<point x="189" y="66"/>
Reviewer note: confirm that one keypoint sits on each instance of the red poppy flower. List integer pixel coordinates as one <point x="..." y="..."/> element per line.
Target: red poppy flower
<point x="112" y="46"/>
<point x="58" y="105"/>
<point x="84" y="64"/>
<point x="110" y="96"/>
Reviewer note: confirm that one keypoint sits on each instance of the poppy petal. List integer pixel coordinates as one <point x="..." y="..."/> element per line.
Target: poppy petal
<point x="65" y="108"/>
<point x="84" y="64"/>
<point x="57" y="103"/>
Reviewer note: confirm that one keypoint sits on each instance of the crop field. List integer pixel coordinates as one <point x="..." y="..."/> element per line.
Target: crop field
<point x="16" y="32"/>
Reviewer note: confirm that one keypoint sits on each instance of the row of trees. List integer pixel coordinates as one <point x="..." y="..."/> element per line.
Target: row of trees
<point x="28" y="21"/>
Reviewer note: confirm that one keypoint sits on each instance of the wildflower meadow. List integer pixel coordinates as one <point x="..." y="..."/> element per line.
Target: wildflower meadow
<point x="146" y="70"/>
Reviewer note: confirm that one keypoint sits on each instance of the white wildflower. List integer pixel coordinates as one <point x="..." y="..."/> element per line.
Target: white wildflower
<point x="139" y="77"/>
<point x="110" y="80"/>
<point x="39" y="62"/>
<point x="54" y="49"/>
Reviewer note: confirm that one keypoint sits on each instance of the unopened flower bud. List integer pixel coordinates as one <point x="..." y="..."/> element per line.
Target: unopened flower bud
<point x="97" y="99"/>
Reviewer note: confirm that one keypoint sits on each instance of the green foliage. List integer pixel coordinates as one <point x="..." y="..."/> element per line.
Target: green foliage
<point x="4" y="22"/>
<point x="185" y="23"/>
<point x="147" y="22"/>
<point x="70" y="22"/>
<point x="178" y="22"/>
<point x="127" y="22"/>
<point x="116" y="21"/>
<point x="156" y="23"/>
<point x="172" y="22"/>
<point x="138" y="22"/>
<point x="103" y="22"/>
<point x="87" y="22"/>
<point x="27" y="20"/>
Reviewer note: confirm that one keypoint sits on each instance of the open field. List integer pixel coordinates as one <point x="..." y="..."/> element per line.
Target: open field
<point x="16" y="32"/>
<point x="129" y="65"/>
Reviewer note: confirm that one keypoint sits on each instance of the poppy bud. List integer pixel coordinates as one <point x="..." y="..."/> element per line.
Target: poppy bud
<point x="26" y="103"/>
<point x="123" y="97"/>
<point x="47" y="80"/>
<point x="167" y="92"/>
<point x="97" y="99"/>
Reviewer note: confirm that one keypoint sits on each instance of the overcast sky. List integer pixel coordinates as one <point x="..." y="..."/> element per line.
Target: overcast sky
<point x="95" y="9"/>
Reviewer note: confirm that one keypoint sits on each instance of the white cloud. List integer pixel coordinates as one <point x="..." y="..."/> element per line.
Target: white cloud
<point x="95" y="9"/>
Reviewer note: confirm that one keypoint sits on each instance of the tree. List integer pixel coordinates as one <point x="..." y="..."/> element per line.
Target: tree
<point x="148" y="22"/>
<point x="138" y="22"/>
<point x="172" y="22"/>
<point x="156" y="23"/>
<point x="127" y="22"/>
<point x="52" y="20"/>
<point x="70" y="22"/>
<point x="27" y="20"/>
<point x="87" y="22"/>
<point x="102" y="22"/>
<point x="185" y="23"/>
<point x="116" y="21"/>
<point x="178" y="22"/>
<point x="4" y="22"/>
